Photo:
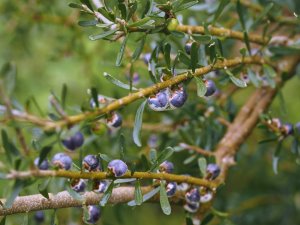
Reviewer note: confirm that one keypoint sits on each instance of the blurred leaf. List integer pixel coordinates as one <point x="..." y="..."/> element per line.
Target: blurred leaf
<point x="284" y="50"/>
<point x="259" y="18"/>
<point x="163" y="199"/>
<point x="105" y="157"/>
<point x="107" y="194"/>
<point x="7" y="77"/>
<point x="88" y="23"/>
<point x="3" y="221"/>
<point x="201" y="88"/>
<point x="275" y="159"/>
<point x="247" y="42"/>
<point x="207" y="219"/>
<point x="188" y="220"/>
<point x="184" y="58"/>
<point x="87" y="3"/>
<point x="222" y="5"/>
<point x="121" y="52"/>
<point x="25" y="219"/>
<point x="202" y="39"/>
<point x="269" y="71"/>
<point x="219" y="213"/>
<point x="73" y="193"/>
<point x="139" y="49"/>
<point x="102" y="35"/>
<point x="165" y="154"/>
<point x="64" y="96"/>
<point x="153" y="155"/>
<point x="75" y="5"/>
<point x="54" y="220"/>
<point x="184" y="6"/>
<point x="123" y="9"/>
<point x="132" y="7"/>
<point x="146" y="196"/>
<point x="43" y="188"/>
<point x="167" y="52"/>
<point x="194" y="56"/>
<point x="241" y="12"/>
<point x="44" y="152"/>
<point x="236" y="81"/>
<point x="94" y="93"/>
<point x="138" y="196"/>
<point x="17" y="188"/>
<point x="202" y="166"/>
<point x="117" y="82"/>
<point x="122" y="146"/>
<point x="148" y="8"/>
<point x="139" y="22"/>
<point x="11" y="150"/>
<point x="253" y="78"/>
<point x="138" y="124"/>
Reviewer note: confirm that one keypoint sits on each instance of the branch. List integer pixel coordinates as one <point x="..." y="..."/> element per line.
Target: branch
<point x="64" y="200"/>
<point x="104" y="175"/>
<point x="142" y="93"/>
<point x="196" y="149"/>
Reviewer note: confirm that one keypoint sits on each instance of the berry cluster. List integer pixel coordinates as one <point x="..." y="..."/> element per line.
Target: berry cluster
<point x="285" y="129"/>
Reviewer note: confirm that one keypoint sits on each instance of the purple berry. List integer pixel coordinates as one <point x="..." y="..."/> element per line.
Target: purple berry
<point x="178" y="97"/>
<point x="117" y="167"/>
<point x="191" y="207"/>
<point x="159" y="101"/>
<point x="115" y="120"/>
<point x="147" y="58"/>
<point x="211" y="88"/>
<point x="206" y="197"/>
<point x="94" y="214"/>
<point x="62" y="161"/>
<point x="73" y="142"/>
<point x="288" y="129"/>
<point x="91" y="163"/>
<point x="166" y="167"/>
<point x="44" y="164"/>
<point x="188" y="47"/>
<point x="78" y="185"/>
<point x="100" y="186"/>
<point x="171" y="189"/>
<point x="213" y="171"/>
<point x="39" y="216"/>
<point x="192" y="196"/>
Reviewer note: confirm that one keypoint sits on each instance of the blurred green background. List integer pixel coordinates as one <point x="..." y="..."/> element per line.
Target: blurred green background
<point x="49" y="49"/>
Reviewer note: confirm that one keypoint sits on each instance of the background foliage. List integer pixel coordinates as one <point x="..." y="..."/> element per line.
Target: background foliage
<point x="49" y="49"/>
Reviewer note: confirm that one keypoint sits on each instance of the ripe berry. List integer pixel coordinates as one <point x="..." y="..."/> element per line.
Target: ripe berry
<point x="62" y="161"/>
<point x="39" y="216"/>
<point x="44" y="164"/>
<point x="100" y="186"/>
<point x="210" y="87"/>
<point x="78" y="185"/>
<point x="213" y="171"/>
<point x="166" y="167"/>
<point x="288" y="129"/>
<point x="206" y="197"/>
<point x="192" y="196"/>
<point x="191" y="207"/>
<point x="94" y="214"/>
<point x="115" y="120"/>
<point x="74" y="142"/>
<point x="91" y="163"/>
<point x="178" y="97"/>
<point x="188" y="47"/>
<point x="117" y="167"/>
<point x="159" y="101"/>
<point x="171" y="189"/>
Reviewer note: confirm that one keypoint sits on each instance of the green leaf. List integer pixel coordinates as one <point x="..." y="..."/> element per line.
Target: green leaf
<point x="146" y="196"/>
<point x="202" y="166"/>
<point x="138" y="124"/>
<point x="43" y="188"/>
<point x="163" y="199"/>
<point x="138" y="196"/>
<point x="207" y="219"/>
<point x="75" y="5"/>
<point x="3" y="221"/>
<point x="94" y="93"/>
<point x="25" y="219"/>
<point x="188" y="220"/>
<point x="247" y="42"/>
<point x="121" y="52"/>
<point x="183" y="57"/>
<point x="18" y="186"/>
<point x="165" y="154"/>
<point x="269" y="71"/>
<point x="11" y="150"/>
<point x="122" y="146"/>
<point x="8" y="75"/>
<point x="259" y="18"/>
<point x="105" y="157"/>
<point x="194" y="56"/>
<point x="88" y="23"/>
<point x="139" y="49"/>
<point x="54" y="220"/>
<point x="167" y="52"/>
<point x="201" y="88"/>
<point x="117" y="82"/>
<point x="202" y="39"/>
<point x="152" y="155"/>
<point x="44" y="152"/>
<point x="123" y="9"/>
<point x="253" y="78"/>
<point x="139" y="22"/>
<point x="73" y="193"/>
<point x="222" y="5"/>
<point x="185" y="6"/>
<point x="219" y="213"/>
<point x="284" y="50"/>
<point x="102" y="35"/>
<point x="236" y="81"/>
<point x="107" y="194"/>
<point x="276" y="157"/>
<point x="64" y="96"/>
<point x="87" y="3"/>
<point x="241" y="13"/>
